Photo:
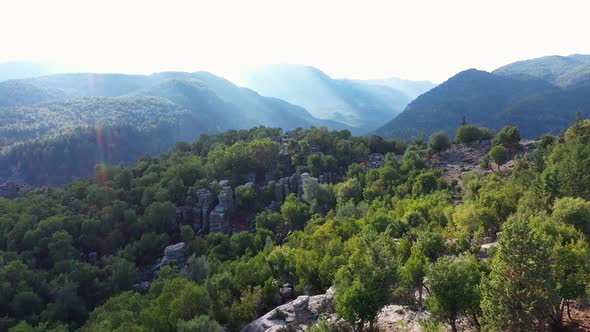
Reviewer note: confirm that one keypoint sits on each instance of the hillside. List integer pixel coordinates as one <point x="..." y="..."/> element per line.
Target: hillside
<point x="354" y="103"/>
<point x="488" y="100"/>
<point x="43" y="112"/>
<point x="196" y="240"/>
<point x="563" y="71"/>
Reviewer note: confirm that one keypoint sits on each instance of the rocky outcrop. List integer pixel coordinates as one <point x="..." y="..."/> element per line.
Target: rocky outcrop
<point x="219" y="220"/>
<point x="204" y="205"/>
<point x="290" y="185"/>
<point x="287" y="291"/>
<point x="297" y="314"/>
<point x="305" y="311"/>
<point x="376" y="160"/>
<point x="399" y="318"/>
<point x="10" y="189"/>
<point x="172" y="253"/>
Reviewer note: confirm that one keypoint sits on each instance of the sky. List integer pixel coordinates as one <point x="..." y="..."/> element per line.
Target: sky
<point x="417" y="39"/>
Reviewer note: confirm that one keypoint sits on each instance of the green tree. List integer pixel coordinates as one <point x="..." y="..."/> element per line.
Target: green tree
<point x="573" y="211"/>
<point x="199" y="324"/>
<point x="439" y="142"/>
<point x="121" y="275"/>
<point x="499" y="155"/>
<point x="295" y="212"/>
<point x="468" y="134"/>
<point x="365" y="283"/>
<point x="454" y="290"/>
<point x="519" y="294"/>
<point x="508" y="137"/>
<point x="196" y="269"/>
<point x="268" y="220"/>
<point x="245" y="196"/>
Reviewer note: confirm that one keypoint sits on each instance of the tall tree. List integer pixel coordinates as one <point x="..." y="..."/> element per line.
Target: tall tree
<point x="519" y="294"/>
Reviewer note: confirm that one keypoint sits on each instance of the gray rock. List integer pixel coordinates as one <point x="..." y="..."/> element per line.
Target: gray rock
<point x="286" y="291"/>
<point x="205" y="203"/>
<point x="141" y="287"/>
<point x="299" y="314"/>
<point x="10" y="189"/>
<point x="220" y="217"/>
<point x="174" y="253"/>
<point x="376" y="160"/>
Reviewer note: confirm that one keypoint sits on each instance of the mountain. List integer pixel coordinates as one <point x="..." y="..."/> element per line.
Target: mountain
<point x="563" y="71"/>
<point x="354" y="103"/>
<point x="533" y="94"/>
<point x="411" y="88"/>
<point x="144" y="114"/>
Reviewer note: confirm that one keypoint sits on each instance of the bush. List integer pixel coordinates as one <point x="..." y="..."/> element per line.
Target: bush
<point x="499" y="155"/>
<point x="439" y="142"/>
<point x="468" y="134"/>
<point x="508" y="137"/>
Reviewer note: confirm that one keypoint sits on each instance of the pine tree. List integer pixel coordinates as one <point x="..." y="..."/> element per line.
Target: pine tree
<point x="519" y="294"/>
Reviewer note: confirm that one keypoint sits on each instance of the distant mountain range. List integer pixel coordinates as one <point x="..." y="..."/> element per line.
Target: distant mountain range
<point x="151" y="112"/>
<point x="539" y="95"/>
<point x="360" y="104"/>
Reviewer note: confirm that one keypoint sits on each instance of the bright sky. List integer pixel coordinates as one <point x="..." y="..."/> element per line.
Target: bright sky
<point x="413" y="39"/>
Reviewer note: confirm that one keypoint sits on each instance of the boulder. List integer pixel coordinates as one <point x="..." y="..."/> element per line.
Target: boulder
<point x="173" y="253"/>
<point x="296" y="315"/>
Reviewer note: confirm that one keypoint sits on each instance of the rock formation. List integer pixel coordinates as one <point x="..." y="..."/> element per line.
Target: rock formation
<point x="290" y="185"/>
<point x="219" y="218"/>
<point x="297" y="314"/>
<point x="376" y="160"/>
<point x="10" y="189"/>
<point x="305" y="311"/>
<point x="205" y="203"/>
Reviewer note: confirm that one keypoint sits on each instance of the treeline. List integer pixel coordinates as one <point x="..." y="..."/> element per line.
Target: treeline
<point x="69" y="257"/>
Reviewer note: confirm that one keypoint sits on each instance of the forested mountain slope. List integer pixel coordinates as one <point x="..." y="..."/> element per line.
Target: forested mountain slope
<point x="540" y="96"/>
<point x="191" y="241"/>
<point x="563" y="71"/>
<point x="170" y="107"/>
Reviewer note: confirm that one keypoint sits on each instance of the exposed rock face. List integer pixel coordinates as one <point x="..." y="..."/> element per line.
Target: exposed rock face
<point x="305" y="311"/>
<point x="399" y="318"/>
<point x="376" y="160"/>
<point x="219" y="218"/>
<point x="287" y="292"/>
<point x="290" y="185"/>
<point x="10" y="189"/>
<point x="205" y="203"/>
<point x="299" y="314"/>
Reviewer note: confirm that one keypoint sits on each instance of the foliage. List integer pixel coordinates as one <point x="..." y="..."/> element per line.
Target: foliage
<point x="439" y="142"/>
<point x="499" y="155"/>
<point x="468" y="134"/>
